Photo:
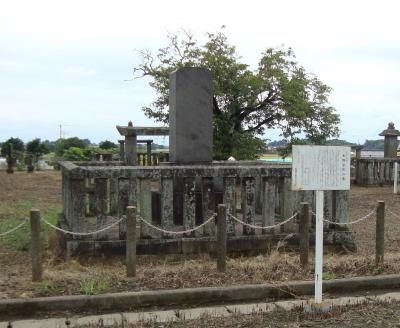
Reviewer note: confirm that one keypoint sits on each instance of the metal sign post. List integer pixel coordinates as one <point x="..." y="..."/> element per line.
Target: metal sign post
<point x="319" y="244"/>
<point x="320" y="168"/>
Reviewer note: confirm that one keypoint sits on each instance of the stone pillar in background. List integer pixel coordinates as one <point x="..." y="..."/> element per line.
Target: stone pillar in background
<point x="390" y="134"/>
<point x="130" y="147"/>
<point x="358" y="166"/>
<point x="121" y="150"/>
<point x="29" y="164"/>
<point x="358" y="151"/>
<point x="107" y="157"/>
<point x="10" y="159"/>
<point x="148" y="144"/>
<point x="190" y="115"/>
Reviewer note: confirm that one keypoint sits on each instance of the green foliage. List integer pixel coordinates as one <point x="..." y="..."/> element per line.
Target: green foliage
<point x="244" y="146"/>
<point x="17" y="146"/>
<point x="36" y="147"/>
<point x="106" y="144"/>
<point x="278" y="94"/>
<point x="339" y="142"/>
<point x="48" y="287"/>
<point x="93" y="285"/>
<point x="50" y="145"/>
<point x="65" y="144"/>
<point x="77" y="154"/>
<point x="328" y="275"/>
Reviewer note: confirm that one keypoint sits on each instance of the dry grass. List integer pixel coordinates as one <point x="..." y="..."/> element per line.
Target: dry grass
<point x="42" y="190"/>
<point x="363" y="315"/>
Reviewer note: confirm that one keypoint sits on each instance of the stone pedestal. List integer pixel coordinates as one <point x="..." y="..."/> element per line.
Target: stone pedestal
<point x="190" y="116"/>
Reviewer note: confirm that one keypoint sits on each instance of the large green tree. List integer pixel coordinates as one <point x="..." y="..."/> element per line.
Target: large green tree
<point x="18" y="146"/>
<point x="278" y="94"/>
<point x="36" y="147"/>
<point x="64" y="144"/>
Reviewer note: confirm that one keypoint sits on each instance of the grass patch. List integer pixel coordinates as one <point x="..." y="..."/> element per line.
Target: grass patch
<point x="329" y="276"/>
<point x="93" y="285"/>
<point x="48" y="287"/>
<point x="20" y="239"/>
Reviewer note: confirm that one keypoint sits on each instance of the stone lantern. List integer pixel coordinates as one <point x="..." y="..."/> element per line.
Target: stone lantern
<point x="390" y="146"/>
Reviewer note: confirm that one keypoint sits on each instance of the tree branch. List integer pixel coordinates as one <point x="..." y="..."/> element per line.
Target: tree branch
<point x="260" y="124"/>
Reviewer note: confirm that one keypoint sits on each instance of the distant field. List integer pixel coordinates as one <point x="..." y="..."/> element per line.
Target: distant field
<point x="275" y="158"/>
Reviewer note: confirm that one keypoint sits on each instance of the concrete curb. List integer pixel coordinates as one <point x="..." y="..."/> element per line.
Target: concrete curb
<point x="187" y="296"/>
<point x="124" y="318"/>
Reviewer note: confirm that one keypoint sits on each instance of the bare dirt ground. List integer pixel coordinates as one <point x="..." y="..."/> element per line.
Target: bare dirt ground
<point x="91" y="275"/>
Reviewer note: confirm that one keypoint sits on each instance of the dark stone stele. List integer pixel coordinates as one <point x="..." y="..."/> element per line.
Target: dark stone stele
<point x="190" y="115"/>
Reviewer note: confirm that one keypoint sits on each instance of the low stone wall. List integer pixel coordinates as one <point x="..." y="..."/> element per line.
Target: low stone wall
<point x="180" y="197"/>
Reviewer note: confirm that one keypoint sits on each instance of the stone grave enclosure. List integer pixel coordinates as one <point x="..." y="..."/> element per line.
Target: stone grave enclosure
<point x="184" y="192"/>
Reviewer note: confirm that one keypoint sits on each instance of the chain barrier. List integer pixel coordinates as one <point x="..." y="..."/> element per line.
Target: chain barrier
<point x="25" y="220"/>
<point x="169" y="232"/>
<point x="81" y="233"/>
<point x="263" y="227"/>
<point x="394" y="214"/>
<point x="351" y="222"/>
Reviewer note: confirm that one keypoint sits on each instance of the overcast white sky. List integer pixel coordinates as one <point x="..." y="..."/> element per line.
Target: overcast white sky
<point x="67" y="62"/>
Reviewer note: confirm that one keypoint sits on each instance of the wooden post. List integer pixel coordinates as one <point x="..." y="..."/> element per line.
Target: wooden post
<point x="395" y="177"/>
<point x="130" y="241"/>
<point x="304" y="233"/>
<point x="221" y="238"/>
<point x="35" y="245"/>
<point x="380" y="233"/>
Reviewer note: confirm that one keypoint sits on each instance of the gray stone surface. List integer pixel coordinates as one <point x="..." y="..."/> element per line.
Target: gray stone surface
<point x="190" y="116"/>
<point x="268" y="211"/>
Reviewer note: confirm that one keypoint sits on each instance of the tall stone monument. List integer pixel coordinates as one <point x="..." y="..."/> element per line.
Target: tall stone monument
<point x="390" y="146"/>
<point x="190" y="115"/>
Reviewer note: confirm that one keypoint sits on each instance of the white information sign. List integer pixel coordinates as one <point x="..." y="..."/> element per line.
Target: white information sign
<point x="321" y="168"/>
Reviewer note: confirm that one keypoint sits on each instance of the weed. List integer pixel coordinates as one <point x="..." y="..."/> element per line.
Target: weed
<point x="93" y="285"/>
<point x="48" y="287"/>
<point x="377" y="270"/>
<point x="328" y="275"/>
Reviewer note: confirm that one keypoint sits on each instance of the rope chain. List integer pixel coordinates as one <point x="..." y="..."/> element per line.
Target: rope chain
<point x="176" y="232"/>
<point x="82" y="233"/>
<point x="25" y="220"/>
<point x="263" y="227"/>
<point x="352" y="222"/>
<point x="394" y="214"/>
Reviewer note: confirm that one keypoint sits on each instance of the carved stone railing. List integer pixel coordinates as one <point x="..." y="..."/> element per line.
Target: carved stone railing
<point x="143" y="159"/>
<point x="173" y="197"/>
<point x="374" y="171"/>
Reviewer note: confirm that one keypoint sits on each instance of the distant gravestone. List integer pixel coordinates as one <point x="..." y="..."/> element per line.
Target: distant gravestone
<point x="190" y="115"/>
<point x="29" y="164"/>
<point x="10" y="159"/>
